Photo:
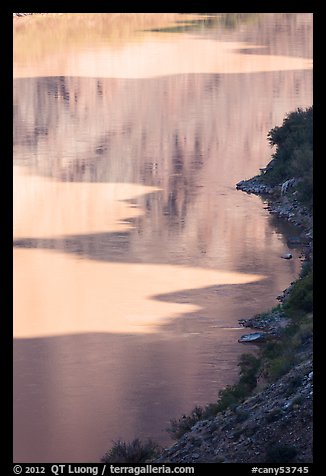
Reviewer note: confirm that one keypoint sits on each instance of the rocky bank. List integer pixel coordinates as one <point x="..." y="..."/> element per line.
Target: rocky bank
<point x="281" y="201"/>
<point x="274" y="424"/>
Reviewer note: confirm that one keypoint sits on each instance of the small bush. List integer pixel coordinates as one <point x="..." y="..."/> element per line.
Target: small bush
<point x="134" y="452"/>
<point x="231" y="395"/>
<point x="279" y="366"/>
<point x="303" y="334"/>
<point x="295" y="133"/>
<point x="280" y="454"/>
<point x="178" y="427"/>
<point x="210" y="411"/>
<point x="294" y="154"/>
<point x="301" y="296"/>
<point x="249" y="366"/>
<point x="271" y="350"/>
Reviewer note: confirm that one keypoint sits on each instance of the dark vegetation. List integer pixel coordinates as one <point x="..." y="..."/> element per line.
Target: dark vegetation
<point x="294" y="154"/>
<point x="229" y="397"/>
<point x="215" y="21"/>
<point x="134" y="452"/>
<point x="300" y="300"/>
<point x="291" y="160"/>
<point x="275" y="358"/>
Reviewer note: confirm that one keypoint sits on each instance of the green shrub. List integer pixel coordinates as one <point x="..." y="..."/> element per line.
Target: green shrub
<point x="249" y="366"/>
<point x="280" y="366"/>
<point x="300" y="300"/>
<point x="294" y="154"/>
<point x="178" y="427"/>
<point x="271" y="350"/>
<point x="231" y="395"/>
<point x="210" y="411"/>
<point x="303" y="334"/>
<point x="134" y="452"/>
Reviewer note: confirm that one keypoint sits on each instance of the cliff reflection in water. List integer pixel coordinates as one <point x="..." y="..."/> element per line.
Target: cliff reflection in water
<point x="176" y="134"/>
<point x="134" y="254"/>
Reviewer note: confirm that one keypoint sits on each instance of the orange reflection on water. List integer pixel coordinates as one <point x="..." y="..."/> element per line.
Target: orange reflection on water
<point x="44" y="208"/>
<point x="79" y="296"/>
<point x="120" y="310"/>
<point x="103" y="297"/>
<point x="165" y="55"/>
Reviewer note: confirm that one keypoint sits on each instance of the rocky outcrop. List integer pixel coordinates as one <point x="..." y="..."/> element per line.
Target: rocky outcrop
<point x="287" y="256"/>
<point x="253" y="337"/>
<point x="271" y="322"/>
<point x="274" y="421"/>
<point x="254" y="185"/>
<point x="281" y="201"/>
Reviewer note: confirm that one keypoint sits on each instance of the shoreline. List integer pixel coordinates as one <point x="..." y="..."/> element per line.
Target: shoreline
<point x="266" y="416"/>
<point x="285" y="206"/>
<point x="291" y="211"/>
<point x="264" y="427"/>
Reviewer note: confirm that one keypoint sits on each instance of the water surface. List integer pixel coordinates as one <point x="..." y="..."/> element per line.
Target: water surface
<point x="134" y="254"/>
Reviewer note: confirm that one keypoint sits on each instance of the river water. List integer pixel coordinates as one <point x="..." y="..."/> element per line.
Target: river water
<point x="134" y="254"/>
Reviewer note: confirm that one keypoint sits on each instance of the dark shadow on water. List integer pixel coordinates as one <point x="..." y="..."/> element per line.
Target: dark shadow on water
<point x="210" y="21"/>
<point x="112" y="247"/>
<point x="74" y="394"/>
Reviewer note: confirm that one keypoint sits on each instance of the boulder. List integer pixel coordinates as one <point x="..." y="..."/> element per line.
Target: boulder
<point x="253" y="337"/>
<point x="286" y="185"/>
